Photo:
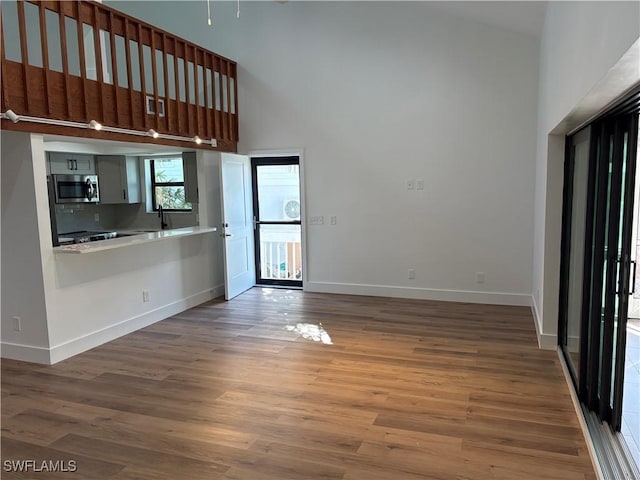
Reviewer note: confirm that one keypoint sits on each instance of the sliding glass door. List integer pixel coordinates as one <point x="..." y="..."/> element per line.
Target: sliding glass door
<point x="597" y="271"/>
<point x="578" y="194"/>
<point x="611" y="268"/>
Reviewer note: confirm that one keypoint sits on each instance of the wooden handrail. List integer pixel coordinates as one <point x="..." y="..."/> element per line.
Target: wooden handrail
<point x="104" y="91"/>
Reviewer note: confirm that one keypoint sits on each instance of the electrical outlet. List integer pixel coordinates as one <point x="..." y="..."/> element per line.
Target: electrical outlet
<point x="16" y="324"/>
<point x="96" y="217"/>
<point x="419" y="184"/>
<point x="145" y="296"/>
<point x="334" y="220"/>
<point x="479" y="277"/>
<point x="411" y="273"/>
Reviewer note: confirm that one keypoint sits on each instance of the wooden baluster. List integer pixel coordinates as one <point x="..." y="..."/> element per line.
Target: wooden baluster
<point x="127" y="49"/>
<point x="167" y="100"/>
<point x="177" y="85"/>
<point x="196" y="92"/>
<point x="97" y="47"/>
<point x="186" y="89"/>
<point x="114" y="68"/>
<point x="222" y="115"/>
<point x="45" y="56"/>
<point x="3" y="59"/>
<point x="65" y="57"/>
<point x="83" y="63"/>
<point x="207" y="115"/>
<point x="236" y="135"/>
<point x="154" y="67"/>
<point x="143" y="82"/>
<point x="24" y="53"/>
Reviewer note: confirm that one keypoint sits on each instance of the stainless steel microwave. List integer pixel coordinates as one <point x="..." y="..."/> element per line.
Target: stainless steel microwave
<point x="76" y="188"/>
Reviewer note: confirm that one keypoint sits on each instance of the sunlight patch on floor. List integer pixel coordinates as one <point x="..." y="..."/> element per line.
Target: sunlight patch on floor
<point x="311" y="331"/>
<point x="270" y="294"/>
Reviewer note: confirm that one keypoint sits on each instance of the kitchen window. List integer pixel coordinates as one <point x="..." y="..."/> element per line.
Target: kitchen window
<point x="167" y="184"/>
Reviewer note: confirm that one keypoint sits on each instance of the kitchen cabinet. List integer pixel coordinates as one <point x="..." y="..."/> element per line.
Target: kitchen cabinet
<point x="190" y="168"/>
<point x="119" y="179"/>
<point x="71" y="164"/>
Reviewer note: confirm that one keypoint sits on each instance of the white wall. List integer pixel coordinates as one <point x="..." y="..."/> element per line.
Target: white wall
<point x="188" y="19"/>
<point x="581" y="42"/>
<point x="22" y="285"/>
<point x="375" y="94"/>
<point x="378" y="93"/>
<point x="70" y="303"/>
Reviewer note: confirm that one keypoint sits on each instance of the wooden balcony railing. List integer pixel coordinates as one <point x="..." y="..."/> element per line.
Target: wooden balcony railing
<point x="78" y="61"/>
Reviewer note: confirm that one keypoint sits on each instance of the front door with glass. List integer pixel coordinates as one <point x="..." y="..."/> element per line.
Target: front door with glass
<point x="278" y="226"/>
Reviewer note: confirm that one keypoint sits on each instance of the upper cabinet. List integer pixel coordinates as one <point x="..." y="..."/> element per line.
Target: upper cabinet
<point x="190" y="177"/>
<point x="119" y="178"/>
<point x="71" y="164"/>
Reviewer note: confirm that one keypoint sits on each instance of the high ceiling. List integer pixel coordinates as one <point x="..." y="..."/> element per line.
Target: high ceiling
<point x="520" y="17"/>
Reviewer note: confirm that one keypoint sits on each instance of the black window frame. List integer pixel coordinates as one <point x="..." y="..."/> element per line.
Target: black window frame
<point x="154" y="184"/>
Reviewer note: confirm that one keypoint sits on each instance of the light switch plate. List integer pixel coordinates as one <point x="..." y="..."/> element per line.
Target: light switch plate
<point x="410" y="184"/>
<point x="317" y="220"/>
<point x="419" y="184"/>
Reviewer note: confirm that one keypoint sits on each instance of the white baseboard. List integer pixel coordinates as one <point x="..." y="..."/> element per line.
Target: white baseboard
<point x="217" y="292"/>
<point x="86" y="342"/>
<point x="25" y="353"/>
<point x="465" y="296"/>
<point x="100" y="337"/>
<point x="546" y="341"/>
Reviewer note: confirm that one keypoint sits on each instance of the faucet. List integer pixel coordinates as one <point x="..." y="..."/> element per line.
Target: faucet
<point x="163" y="224"/>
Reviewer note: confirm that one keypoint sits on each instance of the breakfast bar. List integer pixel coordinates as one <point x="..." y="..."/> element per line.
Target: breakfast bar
<point x="128" y="238"/>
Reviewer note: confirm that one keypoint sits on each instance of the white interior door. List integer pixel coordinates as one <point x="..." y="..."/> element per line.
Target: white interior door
<point x="237" y="224"/>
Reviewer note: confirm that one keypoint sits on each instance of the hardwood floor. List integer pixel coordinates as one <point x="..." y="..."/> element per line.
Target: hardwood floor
<point x="408" y="390"/>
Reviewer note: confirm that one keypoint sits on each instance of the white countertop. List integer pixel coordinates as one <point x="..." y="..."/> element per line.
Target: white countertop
<point x="136" y="237"/>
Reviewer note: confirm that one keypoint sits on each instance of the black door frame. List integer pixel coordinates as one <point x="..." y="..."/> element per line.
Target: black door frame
<point x="255" y="163"/>
<point x="593" y="382"/>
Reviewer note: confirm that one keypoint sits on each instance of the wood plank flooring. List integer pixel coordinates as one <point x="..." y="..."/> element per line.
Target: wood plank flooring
<point x="408" y="390"/>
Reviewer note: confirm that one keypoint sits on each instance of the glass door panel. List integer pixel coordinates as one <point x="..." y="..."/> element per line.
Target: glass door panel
<point x="578" y="198"/>
<point x="627" y="134"/>
<point x="611" y="268"/>
<point x="596" y="260"/>
<point x="278" y="229"/>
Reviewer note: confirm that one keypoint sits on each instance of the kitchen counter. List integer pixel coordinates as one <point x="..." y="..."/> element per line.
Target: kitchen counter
<point x="134" y="237"/>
